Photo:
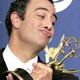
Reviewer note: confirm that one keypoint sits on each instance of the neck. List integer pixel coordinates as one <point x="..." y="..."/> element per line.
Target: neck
<point x="23" y="51"/>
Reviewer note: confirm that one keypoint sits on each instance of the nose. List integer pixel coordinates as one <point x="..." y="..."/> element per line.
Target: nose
<point x="48" y="25"/>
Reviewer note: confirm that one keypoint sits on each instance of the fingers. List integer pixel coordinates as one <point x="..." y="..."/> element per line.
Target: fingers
<point x="9" y="77"/>
<point x="42" y="66"/>
<point x="41" y="72"/>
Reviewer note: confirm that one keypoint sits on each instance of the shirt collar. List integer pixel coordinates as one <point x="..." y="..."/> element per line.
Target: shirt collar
<point x="13" y="62"/>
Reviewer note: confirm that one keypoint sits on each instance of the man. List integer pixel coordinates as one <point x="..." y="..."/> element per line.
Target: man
<point x="30" y="25"/>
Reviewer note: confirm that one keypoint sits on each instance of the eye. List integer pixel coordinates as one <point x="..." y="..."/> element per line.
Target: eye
<point x="53" y="23"/>
<point x="41" y="16"/>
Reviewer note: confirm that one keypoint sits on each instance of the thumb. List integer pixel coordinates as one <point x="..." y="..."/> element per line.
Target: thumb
<point x="9" y="77"/>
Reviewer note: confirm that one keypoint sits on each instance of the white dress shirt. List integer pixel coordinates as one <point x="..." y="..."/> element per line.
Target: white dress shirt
<point x="13" y="62"/>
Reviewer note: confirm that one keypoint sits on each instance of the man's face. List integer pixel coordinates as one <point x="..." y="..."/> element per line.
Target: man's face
<point x="37" y="28"/>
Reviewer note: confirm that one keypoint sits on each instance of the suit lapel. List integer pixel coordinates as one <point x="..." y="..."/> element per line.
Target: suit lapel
<point x="3" y="66"/>
<point x="39" y="60"/>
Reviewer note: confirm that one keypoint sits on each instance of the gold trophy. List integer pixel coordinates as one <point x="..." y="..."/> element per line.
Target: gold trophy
<point x="67" y="47"/>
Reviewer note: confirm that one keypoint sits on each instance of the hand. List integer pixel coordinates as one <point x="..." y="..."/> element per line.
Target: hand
<point x="9" y="77"/>
<point x="41" y="72"/>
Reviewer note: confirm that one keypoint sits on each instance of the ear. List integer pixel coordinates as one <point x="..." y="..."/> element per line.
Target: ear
<point x="15" y="20"/>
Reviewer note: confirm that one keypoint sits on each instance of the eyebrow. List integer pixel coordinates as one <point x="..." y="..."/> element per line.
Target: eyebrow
<point x="55" y="16"/>
<point x="41" y="8"/>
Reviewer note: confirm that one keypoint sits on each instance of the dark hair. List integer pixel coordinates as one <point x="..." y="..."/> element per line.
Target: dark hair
<point x="18" y="6"/>
<point x="51" y="1"/>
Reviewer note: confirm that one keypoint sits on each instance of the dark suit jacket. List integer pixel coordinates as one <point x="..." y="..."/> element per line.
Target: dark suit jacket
<point x="57" y="75"/>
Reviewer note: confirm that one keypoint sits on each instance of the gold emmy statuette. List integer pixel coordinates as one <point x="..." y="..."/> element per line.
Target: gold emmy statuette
<point x="68" y="47"/>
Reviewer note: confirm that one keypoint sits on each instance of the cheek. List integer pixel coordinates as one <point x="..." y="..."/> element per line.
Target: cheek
<point x="36" y="23"/>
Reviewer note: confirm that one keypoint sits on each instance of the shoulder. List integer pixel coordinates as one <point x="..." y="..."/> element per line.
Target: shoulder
<point x="3" y="66"/>
<point x="1" y="50"/>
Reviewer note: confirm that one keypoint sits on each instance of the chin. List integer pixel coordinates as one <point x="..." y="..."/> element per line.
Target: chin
<point x="43" y="44"/>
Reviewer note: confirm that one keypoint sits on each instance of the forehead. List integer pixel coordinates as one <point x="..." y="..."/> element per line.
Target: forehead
<point x="34" y="4"/>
